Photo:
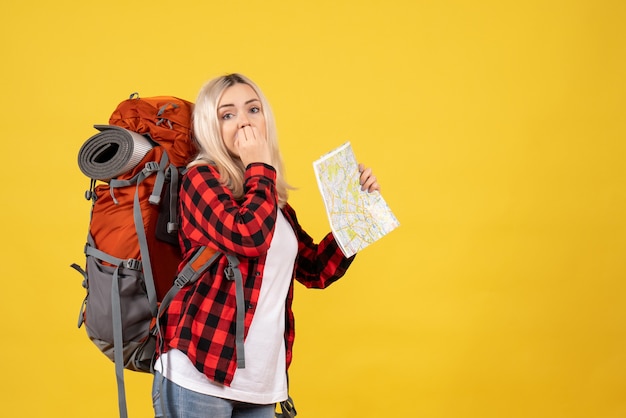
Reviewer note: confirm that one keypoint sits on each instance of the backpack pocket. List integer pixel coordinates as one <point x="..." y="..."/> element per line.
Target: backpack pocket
<point x="136" y="314"/>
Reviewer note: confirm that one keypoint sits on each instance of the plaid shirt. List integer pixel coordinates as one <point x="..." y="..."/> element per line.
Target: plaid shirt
<point x="200" y="321"/>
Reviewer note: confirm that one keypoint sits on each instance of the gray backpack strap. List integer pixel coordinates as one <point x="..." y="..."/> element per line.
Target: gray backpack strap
<point x="190" y="274"/>
<point x="115" y="183"/>
<point x="155" y="198"/>
<point x="172" y="225"/>
<point x="81" y="317"/>
<point x="148" y="275"/>
<point x="116" y="315"/>
<point x="118" y="342"/>
<point x="150" y="168"/>
<point x="233" y="273"/>
<point x="129" y="263"/>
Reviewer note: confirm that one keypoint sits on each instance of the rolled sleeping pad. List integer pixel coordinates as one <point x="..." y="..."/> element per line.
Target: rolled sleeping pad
<point x="112" y="152"/>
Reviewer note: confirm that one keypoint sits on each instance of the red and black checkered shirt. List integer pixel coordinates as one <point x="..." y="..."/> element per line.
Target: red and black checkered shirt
<point x="200" y="321"/>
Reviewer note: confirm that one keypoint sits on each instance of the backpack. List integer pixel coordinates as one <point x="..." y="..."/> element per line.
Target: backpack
<point x="132" y="250"/>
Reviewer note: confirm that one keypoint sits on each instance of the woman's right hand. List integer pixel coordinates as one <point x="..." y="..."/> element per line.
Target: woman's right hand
<point x="252" y="146"/>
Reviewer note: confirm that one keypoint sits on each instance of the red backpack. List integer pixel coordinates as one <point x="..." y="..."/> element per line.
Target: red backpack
<point x="132" y="250"/>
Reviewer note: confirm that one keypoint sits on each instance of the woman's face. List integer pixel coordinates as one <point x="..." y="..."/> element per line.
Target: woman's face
<point x="239" y="106"/>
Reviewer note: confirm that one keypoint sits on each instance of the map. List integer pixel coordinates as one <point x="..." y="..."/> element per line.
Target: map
<point x="357" y="218"/>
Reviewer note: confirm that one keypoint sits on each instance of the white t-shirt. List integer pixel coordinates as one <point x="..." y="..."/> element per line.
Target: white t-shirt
<point x="264" y="379"/>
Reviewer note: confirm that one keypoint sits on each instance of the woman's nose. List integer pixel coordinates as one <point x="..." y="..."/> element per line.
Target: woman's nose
<point x="243" y="121"/>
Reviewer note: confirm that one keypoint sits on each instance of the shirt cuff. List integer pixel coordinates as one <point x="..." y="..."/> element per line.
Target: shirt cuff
<point x="260" y="169"/>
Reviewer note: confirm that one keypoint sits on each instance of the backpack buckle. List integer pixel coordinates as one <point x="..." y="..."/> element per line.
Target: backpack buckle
<point x="181" y="281"/>
<point x="133" y="264"/>
<point x="172" y="227"/>
<point x="288" y="409"/>
<point x="229" y="273"/>
<point x="151" y="167"/>
<point x="169" y="123"/>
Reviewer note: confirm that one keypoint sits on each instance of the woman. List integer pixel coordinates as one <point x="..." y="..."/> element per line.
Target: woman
<point x="234" y="200"/>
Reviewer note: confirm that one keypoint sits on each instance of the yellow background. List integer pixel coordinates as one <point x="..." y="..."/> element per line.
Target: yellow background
<point x="496" y="129"/>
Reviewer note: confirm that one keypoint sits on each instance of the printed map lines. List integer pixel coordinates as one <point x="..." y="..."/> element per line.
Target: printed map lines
<point x="357" y="218"/>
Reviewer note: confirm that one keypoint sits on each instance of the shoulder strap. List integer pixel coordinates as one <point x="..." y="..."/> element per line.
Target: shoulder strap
<point x="199" y="262"/>
<point x="234" y="273"/>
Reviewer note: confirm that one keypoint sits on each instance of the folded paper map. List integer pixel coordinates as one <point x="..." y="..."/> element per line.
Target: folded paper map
<point x="357" y="218"/>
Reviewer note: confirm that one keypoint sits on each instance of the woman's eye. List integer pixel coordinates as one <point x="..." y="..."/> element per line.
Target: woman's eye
<point x="255" y="109"/>
<point x="227" y="116"/>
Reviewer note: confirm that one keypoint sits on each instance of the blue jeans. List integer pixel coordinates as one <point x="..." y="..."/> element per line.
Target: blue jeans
<point x="178" y="402"/>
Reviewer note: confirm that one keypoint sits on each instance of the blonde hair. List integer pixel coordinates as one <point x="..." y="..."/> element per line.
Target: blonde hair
<point x="208" y="134"/>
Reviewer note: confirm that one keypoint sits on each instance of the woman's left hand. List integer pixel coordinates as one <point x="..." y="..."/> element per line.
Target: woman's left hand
<point x="368" y="179"/>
